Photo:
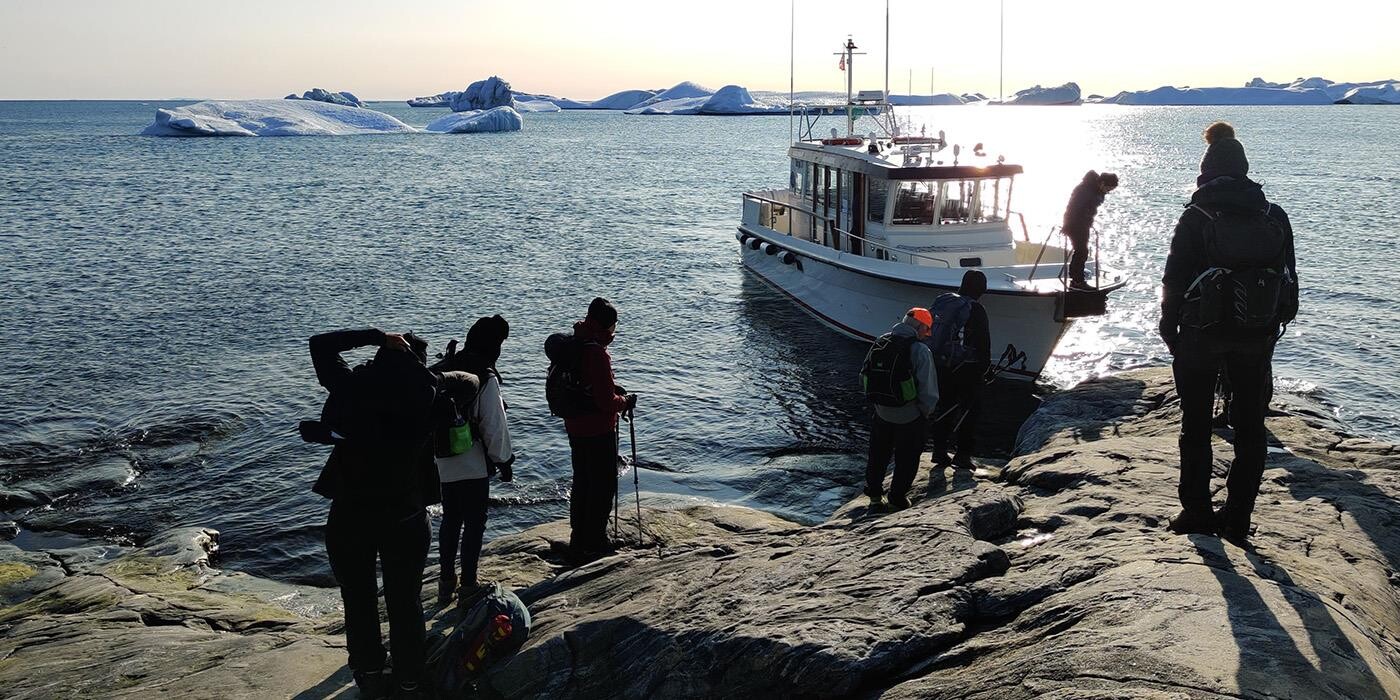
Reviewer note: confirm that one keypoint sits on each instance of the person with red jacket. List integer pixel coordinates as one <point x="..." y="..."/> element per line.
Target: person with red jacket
<point x="593" y="435"/>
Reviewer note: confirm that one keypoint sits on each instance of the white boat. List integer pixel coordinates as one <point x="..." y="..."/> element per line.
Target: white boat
<point x="872" y="225"/>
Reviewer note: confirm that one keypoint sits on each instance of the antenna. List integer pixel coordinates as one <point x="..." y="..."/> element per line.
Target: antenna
<point x="1001" y="61"/>
<point x="887" y="50"/>
<point x="792" y="63"/>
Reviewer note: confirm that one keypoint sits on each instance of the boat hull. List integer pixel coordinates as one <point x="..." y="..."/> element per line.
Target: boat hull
<point x="863" y="307"/>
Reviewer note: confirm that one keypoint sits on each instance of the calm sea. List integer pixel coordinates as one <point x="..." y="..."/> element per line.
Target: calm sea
<point x="158" y="294"/>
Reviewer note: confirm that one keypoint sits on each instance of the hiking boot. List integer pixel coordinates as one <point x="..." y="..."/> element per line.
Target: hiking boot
<point x="447" y="586"/>
<point x="1188" y="522"/>
<point x="941" y="459"/>
<point x="963" y="460"/>
<point x="1234" y="530"/>
<point x="1082" y="286"/>
<point x="374" y="685"/>
<point x="899" y="501"/>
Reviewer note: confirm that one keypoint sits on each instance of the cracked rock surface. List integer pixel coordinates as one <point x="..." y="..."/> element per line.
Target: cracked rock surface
<point x="1049" y="576"/>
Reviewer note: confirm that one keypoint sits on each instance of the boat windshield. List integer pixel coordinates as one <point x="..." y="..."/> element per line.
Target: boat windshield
<point x="951" y="202"/>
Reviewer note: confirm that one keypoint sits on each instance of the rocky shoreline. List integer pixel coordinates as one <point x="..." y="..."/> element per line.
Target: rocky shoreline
<point x="1049" y="576"/>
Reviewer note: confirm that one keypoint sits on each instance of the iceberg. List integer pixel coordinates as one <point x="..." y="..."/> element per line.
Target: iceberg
<point x="272" y="118"/>
<point x="1067" y="94"/>
<point x="942" y="98"/>
<point x="502" y="118"/>
<point x="728" y="100"/>
<point x="323" y="95"/>
<point x="1383" y="94"/>
<point x="524" y="102"/>
<point x="680" y="91"/>
<point x="439" y="100"/>
<point x="1168" y="95"/>
<point x="627" y="99"/>
<point x="482" y="95"/>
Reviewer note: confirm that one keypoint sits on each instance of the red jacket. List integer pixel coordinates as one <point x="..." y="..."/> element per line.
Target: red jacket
<point x="597" y="371"/>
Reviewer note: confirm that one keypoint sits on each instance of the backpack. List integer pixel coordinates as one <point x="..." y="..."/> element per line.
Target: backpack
<point x="492" y="630"/>
<point x="454" y="431"/>
<point x="1247" y="286"/>
<point x="565" y="389"/>
<point x="887" y="375"/>
<point x="950" y="314"/>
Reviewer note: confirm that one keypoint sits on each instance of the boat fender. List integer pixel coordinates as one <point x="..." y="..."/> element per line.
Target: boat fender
<point x="770" y="249"/>
<point x="754" y="243"/>
<point x="740" y="236"/>
<point x="787" y="258"/>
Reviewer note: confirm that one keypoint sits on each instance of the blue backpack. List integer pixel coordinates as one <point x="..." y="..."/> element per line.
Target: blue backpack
<point x="950" y="313"/>
<point x="491" y="631"/>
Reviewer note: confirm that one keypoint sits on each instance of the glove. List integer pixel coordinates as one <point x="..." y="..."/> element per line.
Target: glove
<point x="316" y="432"/>
<point x="631" y="402"/>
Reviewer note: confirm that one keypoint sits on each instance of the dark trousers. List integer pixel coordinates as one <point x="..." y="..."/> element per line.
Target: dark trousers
<point x="1196" y="365"/>
<point x="595" y="487"/>
<point x="464" y="505"/>
<point x="355" y="539"/>
<point x="906" y="442"/>
<point x="959" y="408"/>
<point x="1079" y="241"/>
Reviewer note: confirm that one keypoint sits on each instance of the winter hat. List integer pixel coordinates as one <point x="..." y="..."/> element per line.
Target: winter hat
<point x="602" y="312"/>
<point x="486" y="335"/>
<point x="1225" y="155"/>
<point x="974" y="284"/>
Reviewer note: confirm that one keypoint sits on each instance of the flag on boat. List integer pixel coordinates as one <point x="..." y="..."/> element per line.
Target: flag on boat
<point x="842" y="64"/>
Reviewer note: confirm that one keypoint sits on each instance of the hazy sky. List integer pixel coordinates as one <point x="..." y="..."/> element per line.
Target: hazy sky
<point x="64" y="49"/>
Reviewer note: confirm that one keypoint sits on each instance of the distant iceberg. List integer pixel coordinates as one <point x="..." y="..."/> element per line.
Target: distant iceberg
<point x="627" y="99"/>
<point x="475" y="122"/>
<point x="942" y="98"/>
<point x="272" y="118"/>
<point x="1383" y="94"/>
<point x="482" y="94"/>
<point x="323" y="95"/>
<point x="1067" y="94"/>
<point x="1168" y="95"/>
<point x="523" y="102"/>
<point x="728" y="100"/>
<point x="439" y="100"/>
<point x="680" y="91"/>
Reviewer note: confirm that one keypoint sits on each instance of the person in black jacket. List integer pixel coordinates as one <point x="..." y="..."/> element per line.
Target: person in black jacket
<point x="1083" y="206"/>
<point x="960" y="385"/>
<point x="380" y="478"/>
<point x="1198" y="357"/>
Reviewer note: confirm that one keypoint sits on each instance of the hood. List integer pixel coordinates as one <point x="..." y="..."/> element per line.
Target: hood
<point x="904" y="330"/>
<point x="1232" y="193"/>
<point x="588" y="329"/>
<point x="1090" y="178"/>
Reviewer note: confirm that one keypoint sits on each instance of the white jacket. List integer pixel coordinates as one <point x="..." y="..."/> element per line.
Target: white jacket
<point x="489" y="413"/>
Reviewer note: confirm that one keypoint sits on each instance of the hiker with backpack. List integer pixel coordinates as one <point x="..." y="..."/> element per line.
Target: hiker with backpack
<point x="1229" y="286"/>
<point x="380" y="478"/>
<point x="581" y="389"/>
<point x="466" y="469"/>
<point x="961" y="345"/>
<point x="1083" y="206"/>
<point x="898" y="378"/>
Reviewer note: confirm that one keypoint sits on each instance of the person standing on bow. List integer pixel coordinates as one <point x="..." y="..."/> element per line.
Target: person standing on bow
<point x="1083" y="206"/>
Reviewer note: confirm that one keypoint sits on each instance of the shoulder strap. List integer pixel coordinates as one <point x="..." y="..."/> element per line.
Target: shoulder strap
<point x="1198" y="208"/>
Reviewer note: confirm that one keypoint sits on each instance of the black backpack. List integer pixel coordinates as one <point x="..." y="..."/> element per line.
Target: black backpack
<point x="565" y="388"/>
<point x="1247" y="287"/>
<point x="491" y="631"/>
<point x="454" y="430"/>
<point x="887" y="375"/>
<point x="950" y="313"/>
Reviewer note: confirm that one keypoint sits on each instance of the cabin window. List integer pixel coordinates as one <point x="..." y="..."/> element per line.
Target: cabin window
<point x="914" y="203"/>
<point x="959" y="196"/>
<point x="993" y="199"/>
<point x="878" y="194"/>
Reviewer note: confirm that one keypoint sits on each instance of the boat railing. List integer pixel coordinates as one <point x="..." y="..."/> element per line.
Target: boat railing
<point x="829" y="231"/>
<point x="848" y="236"/>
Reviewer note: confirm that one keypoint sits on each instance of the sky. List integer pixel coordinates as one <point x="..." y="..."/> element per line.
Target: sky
<point x="149" y="49"/>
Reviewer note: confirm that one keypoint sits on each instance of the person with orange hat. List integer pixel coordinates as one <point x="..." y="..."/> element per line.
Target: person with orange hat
<point x="898" y="378"/>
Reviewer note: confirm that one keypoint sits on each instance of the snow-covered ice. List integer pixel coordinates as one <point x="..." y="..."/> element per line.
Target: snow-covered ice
<point x="728" y="100"/>
<point x="680" y="91"/>
<point x="439" y="100"/>
<point x="535" y="103"/>
<point x="478" y="121"/>
<point x="627" y="99"/>
<point x="271" y="118"/>
<point x="1168" y="95"/>
<point x="483" y="94"/>
<point x="1383" y="94"/>
<point x="322" y="95"/>
<point x="1067" y="94"/>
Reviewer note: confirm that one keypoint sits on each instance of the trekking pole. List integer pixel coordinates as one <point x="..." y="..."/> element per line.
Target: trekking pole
<point x="616" y="529"/>
<point x="636" y="484"/>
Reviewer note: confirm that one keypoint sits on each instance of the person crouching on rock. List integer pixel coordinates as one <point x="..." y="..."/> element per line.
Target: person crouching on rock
<point x="1230" y="284"/>
<point x="466" y="477"/>
<point x="898" y="378"/>
<point x="380" y="478"/>
<point x="593" y="434"/>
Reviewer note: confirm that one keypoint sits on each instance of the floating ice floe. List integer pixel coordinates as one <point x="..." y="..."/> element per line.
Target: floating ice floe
<point x="1067" y="94"/>
<point x="271" y="118"/>
<point x="322" y="95"/>
<point x="475" y="122"/>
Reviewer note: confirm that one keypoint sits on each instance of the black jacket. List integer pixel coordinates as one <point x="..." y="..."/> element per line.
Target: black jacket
<point x="977" y="335"/>
<point x="385" y="407"/>
<point x="1187" y="258"/>
<point x="1083" y="205"/>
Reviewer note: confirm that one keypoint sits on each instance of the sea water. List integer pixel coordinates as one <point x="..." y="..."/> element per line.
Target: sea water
<point x="159" y="293"/>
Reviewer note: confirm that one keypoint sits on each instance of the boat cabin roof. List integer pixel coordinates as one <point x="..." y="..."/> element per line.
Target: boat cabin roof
<point x="888" y="164"/>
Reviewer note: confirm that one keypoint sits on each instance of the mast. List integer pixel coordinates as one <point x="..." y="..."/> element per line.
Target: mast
<point x="792" y="63"/>
<point x="1001" y="60"/>
<point x="850" y="85"/>
<point x="887" y="50"/>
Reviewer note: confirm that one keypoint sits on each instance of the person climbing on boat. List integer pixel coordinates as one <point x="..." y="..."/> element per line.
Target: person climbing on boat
<point x="466" y="476"/>
<point x="961" y="343"/>
<point x="898" y="378"/>
<point x="1083" y="206"/>
<point x="1229" y="286"/>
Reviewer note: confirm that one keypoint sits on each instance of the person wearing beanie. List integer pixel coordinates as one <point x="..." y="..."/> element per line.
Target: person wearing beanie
<point x="593" y="435"/>
<point x="1226" y="203"/>
<point x="963" y="358"/>
<point x="466" y="477"/>
<point x="1083" y="206"/>
<point x="899" y="431"/>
